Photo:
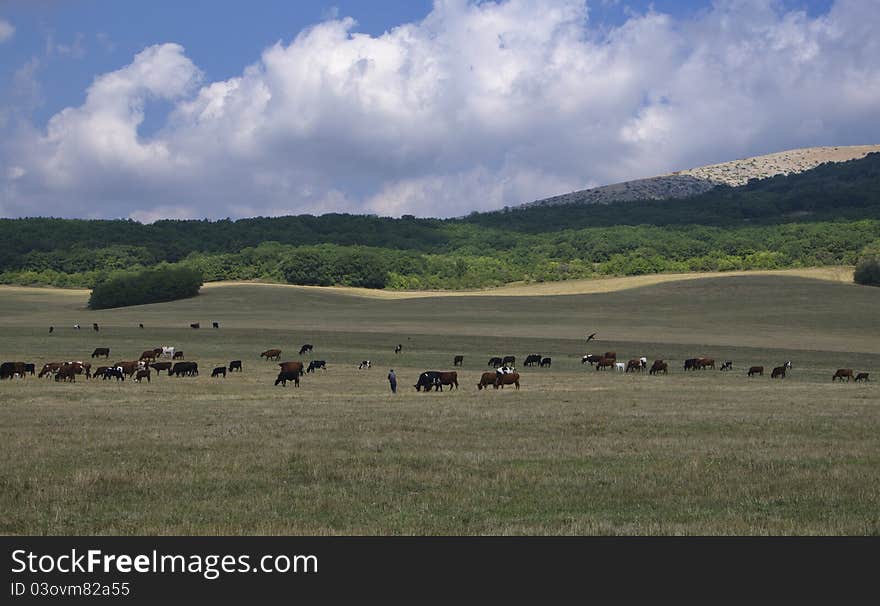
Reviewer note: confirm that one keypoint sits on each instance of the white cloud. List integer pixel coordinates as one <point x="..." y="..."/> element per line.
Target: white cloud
<point x="477" y="106"/>
<point x="6" y="30"/>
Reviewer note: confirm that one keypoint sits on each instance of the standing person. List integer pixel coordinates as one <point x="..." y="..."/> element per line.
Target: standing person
<point x="392" y="379"/>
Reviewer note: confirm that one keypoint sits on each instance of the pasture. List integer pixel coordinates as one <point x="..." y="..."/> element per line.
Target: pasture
<point x="574" y="451"/>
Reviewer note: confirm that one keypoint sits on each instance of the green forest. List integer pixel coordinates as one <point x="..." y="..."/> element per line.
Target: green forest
<point x="827" y="216"/>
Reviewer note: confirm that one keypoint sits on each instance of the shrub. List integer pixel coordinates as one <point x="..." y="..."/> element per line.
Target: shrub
<point x="868" y="270"/>
<point x="163" y="283"/>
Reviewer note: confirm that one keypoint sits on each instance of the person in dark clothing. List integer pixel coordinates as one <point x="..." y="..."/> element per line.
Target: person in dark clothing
<point x="392" y="379"/>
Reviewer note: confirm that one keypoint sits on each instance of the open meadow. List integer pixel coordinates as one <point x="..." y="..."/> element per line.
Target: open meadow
<point x="574" y="451"/>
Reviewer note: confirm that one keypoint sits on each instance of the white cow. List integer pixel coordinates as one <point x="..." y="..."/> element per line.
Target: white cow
<point x="168" y="351"/>
<point x="620" y="366"/>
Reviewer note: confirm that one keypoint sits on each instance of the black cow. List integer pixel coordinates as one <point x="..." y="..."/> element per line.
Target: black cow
<point x="427" y="380"/>
<point x="691" y="364"/>
<point x="545" y="362"/>
<point x="194" y="325"/>
<point x="215" y="324"/>
<point x="285" y="376"/>
<point x="140" y="325"/>
<point x="114" y="373"/>
<point x="728" y="365"/>
<point x="95" y="326"/>
<point x="494" y="362"/>
<point x="364" y="364"/>
<point x="29" y="369"/>
<point x="160" y="366"/>
<point x="508" y="361"/>
<point x="101" y="351"/>
<point x="305" y="348"/>
<point x="178" y="355"/>
<point x="316" y="364"/>
<point x="532" y="359"/>
<point x="235" y="365"/>
<point x="8" y="370"/>
<point x="458" y="360"/>
<point x="220" y="370"/>
<point x="184" y="369"/>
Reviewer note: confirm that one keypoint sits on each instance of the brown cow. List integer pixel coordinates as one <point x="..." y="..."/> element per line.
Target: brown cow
<point x="659" y="366"/>
<point x="610" y="354"/>
<point x="49" y="368"/>
<point x="756" y="370"/>
<point x="271" y="354"/>
<point x="488" y="378"/>
<point x="605" y="362"/>
<point x="149" y="354"/>
<point x="66" y="373"/>
<point x="634" y="365"/>
<point x="129" y="367"/>
<point x="841" y="373"/>
<point x="506" y="379"/>
<point x="142" y="374"/>
<point x="704" y="363"/>
<point x="448" y="378"/>
<point x="291" y="367"/>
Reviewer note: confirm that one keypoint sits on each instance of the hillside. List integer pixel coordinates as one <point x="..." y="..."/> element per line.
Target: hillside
<point x="695" y="181"/>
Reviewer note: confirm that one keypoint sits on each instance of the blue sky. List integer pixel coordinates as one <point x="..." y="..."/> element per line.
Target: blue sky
<point x="463" y="125"/>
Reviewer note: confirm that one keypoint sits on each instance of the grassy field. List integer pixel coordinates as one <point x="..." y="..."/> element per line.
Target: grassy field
<point x="574" y="451"/>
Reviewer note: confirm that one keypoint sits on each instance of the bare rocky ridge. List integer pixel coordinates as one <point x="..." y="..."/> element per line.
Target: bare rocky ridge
<point x="694" y="181"/>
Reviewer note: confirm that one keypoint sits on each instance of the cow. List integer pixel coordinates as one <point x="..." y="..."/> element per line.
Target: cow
<point x="494" y="362"/>
<point x="841" y="373"/>
<point x="76" y="327"/>
<point x="501" y="380"/>
<point x="508" y="361"/>
<point x="458" y="360"/>
<point x="66" y="373"/>
<point x="619" y="366"/>
<point x="659" y="366"/>
<point x="178" y="355"/>
<point x="95" y="326"/>
<point x="691" y="364"/>
<point x="142" y="374"/>
<point x="315" y="365"/>
<point x="427" y="380"/>
<point x="141" y="325"/>
<point x="592" y="359"/>
<point x="101" y="351"/>
<point x="488" y="378"/>
<point x="114" y="373"/>
<point x="80" y="368"/>
<point x="862" y="377"/>
<point x="728" y="365"/>
<point x="49" y="368"/>
<point x="130" y="367"/>
<point x="29" y="369"/>
<point x="285" y="376"/>
<point x="364" y="364"/>
<point x="271" y="354"/>
<point x="235" y="365"/>
<point x="157" y="352"/>
<point x="291" y="367"/>
<point x="398" y="349"/>
<point x="447" y="378"/>
<point x="8" y="370"/>
<point x="168" y="351"/>
<point x="704" y="363"/>
<point x="307" y="348"/>
<point x="778" y="373"/>
<point x="610" y="354"/>
<point x="756" y="370"/>
<point x="99" y="372"/>
<point x="532" y="359"/>
<point x="184" y="369"/>
<point x="161" y="366"/>
<point x="219" y="371"/>
<point x="634" y="365"/>
<point x="215" y="324"/>
<point x="148" y="354"/>
<point x="194" y="325"/>
<point x="604" y="363"/>
<point x="51" y="329"/>
<point x="545" y="362"/>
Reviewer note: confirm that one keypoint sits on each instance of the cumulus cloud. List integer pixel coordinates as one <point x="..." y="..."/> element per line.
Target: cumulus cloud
<point x="6" y="30"/>
<point x="477" y="106"/>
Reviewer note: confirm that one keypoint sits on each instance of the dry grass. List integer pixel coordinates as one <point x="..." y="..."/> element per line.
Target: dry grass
<point x="573" y="452"/>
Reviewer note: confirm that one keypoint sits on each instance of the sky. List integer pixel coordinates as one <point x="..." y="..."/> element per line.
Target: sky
<point x="230" y="109"/>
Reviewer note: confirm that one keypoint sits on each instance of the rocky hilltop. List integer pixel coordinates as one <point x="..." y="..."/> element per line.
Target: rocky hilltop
<point x="694" y="181"/>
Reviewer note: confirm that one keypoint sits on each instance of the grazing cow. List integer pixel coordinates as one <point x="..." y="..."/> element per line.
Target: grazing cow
<point x="704" y="363"/>
<point x="728" y="365"/>
<point x="315" y="365"/>
<point x="76" y="327"/>
<point x="29" y="369"/>
<point x="140" y="325"/>
<point x="160" y="366"/>
<point x="130" y="367"/>
<point x="778" y="372"/>
<point x="428" y="379"/>
<point x="591" y="358"/>
<point x="8" y="370"/>
<point x="532" y="359"/>
<point x="364" y="364"/>
<point x="691" y="364"/>
<point x="178" y="355"/>
<point x="501" y="380"/>
<point x="114" y="372"/>
<point x="148" y="354"/>
<point x="644" y="362"/>
<point x="80" y="368"/>
<point x="51" y="329"/>
<point x="659" y="366"/>
<point x="291" y="367"/>
<point x="398" y="349"/>
<point x="101" y="351"/>
<point x="215" y="324"/>
<point x="285" y="376"/>
<point x="488" y="378"/>
<point x="95" y="326"/>
<point x="184" y="369"/>
<point x="494" y="362"/>
<point x="619" y="366"/>
<point x="841" y="373"/>
<point x="168" y="351"/>
<point x="508" y="361"/>
<point x="545" y="362"/>
<point x="50" y="368"/>
<point x="99" y="372"/>
<point x="142" y="374"/>
<point x="756" y="370"/>
<point x="218" y="371"/>
<point x="235" y="365"/>
<point x="604" y="363"/>
<point x="307" y="348"/>
<point x="194" y="325"/>
<point x="458" y="360"/>
<point x="862" y="376"/>
<point x="157" y="352"/>
<point x="271" y="354"/>
<point x="66" y="373"/>
<point x="633" y="365"/>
